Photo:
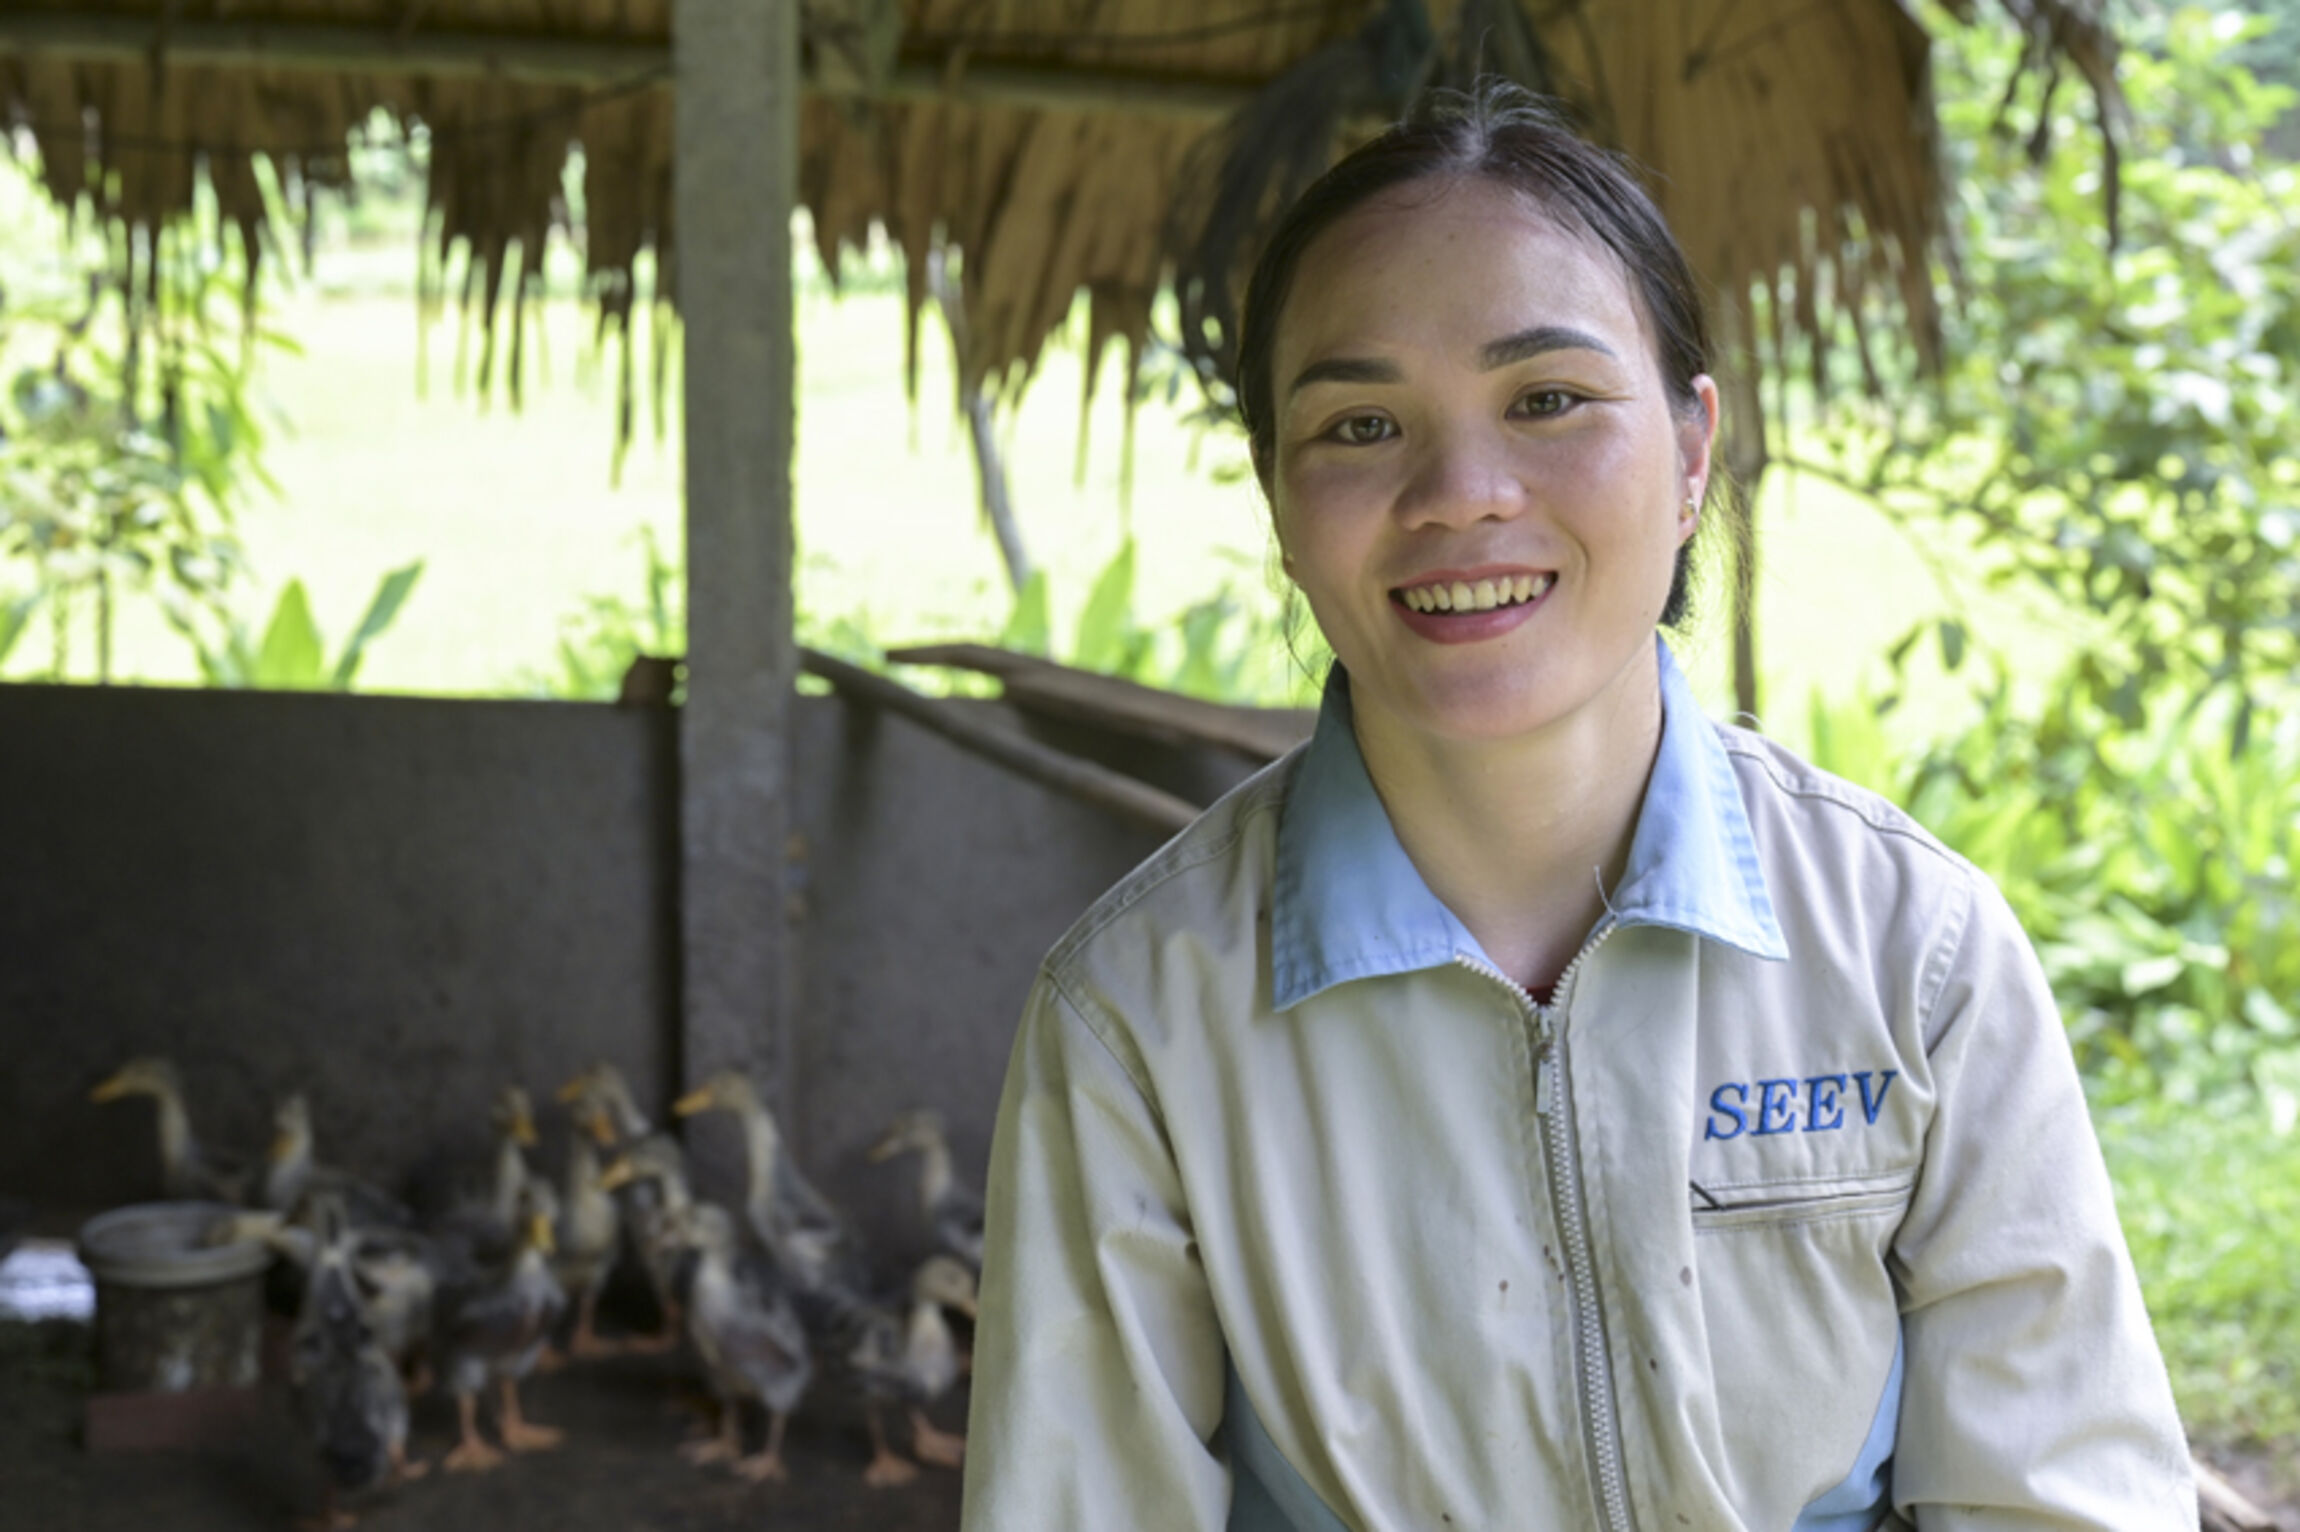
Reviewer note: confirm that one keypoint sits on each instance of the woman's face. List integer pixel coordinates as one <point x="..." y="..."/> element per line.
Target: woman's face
<point x="1478" y="478"/>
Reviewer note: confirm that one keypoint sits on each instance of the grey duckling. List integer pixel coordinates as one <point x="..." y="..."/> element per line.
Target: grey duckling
<point x="492" y="1325"/>
<point x="347" y="1383"/>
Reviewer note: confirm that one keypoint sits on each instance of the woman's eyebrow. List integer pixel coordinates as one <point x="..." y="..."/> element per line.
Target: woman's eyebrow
<point x="1493" y="354"/>
<point x="1533" y="342"/>
<point x="1345" y="369"/>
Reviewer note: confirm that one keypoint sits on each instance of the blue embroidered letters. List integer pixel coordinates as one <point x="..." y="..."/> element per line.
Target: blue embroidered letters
<point x="1823" y="1110"/>
<point x="1871" y="1105"/>
<point x="1814" y="1104"/>
<point x="1776" y="1106"/>
<point x="1722" y="1111"/>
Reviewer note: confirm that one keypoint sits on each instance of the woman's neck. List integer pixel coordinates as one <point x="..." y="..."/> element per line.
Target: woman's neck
<point x="1523" y="838"/>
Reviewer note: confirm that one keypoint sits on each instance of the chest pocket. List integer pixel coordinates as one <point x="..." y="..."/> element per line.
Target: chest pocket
<point x="1766" y="1205"/>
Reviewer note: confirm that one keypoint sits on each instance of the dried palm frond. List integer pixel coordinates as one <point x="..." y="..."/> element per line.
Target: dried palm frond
<point x="1792" y="143"/>
<point x="1241" y="177"/>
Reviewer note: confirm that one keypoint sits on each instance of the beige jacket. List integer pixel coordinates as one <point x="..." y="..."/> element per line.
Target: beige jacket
<point x="1784" y="1214"/>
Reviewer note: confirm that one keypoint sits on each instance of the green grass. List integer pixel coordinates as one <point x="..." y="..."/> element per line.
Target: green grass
<point x="2211" y="1208"/>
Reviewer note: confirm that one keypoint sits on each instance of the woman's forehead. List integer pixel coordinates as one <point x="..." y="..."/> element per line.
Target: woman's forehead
<point x="1455" y="264"/>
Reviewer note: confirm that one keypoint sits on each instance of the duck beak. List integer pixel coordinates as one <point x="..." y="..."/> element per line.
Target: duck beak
<point x="539" y="1233"/>
<point x="523" y="1131"/>
<point x="572" y="1089"/>
<point x="283" y="1145"/>
<point x="111" y="1090"/>
<point x="885" y="1149"/>
<point x="616" y="1174"/>
<point x="700" y="1099"/>
<point x="967" y="1307"/>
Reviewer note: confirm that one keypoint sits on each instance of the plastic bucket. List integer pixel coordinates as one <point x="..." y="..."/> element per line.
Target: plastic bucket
<point x="172" y="1311"/>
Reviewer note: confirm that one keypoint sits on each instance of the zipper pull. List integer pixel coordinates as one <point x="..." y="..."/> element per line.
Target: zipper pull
<point x="1545" y="1083"/>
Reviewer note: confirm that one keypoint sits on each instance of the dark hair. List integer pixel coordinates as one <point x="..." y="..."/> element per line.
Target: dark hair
<point x="1502" y="133"/>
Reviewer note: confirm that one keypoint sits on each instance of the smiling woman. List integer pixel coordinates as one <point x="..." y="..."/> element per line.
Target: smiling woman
<point x="1530" y="1103"/>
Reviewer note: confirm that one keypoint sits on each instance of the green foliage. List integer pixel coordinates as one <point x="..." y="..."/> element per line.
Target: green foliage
<point x="598" y="642"/>
<point x="2121" y="428"/>
<point x="15" y="617"/>
<point x="1222" y="648"/>
<point x="2211" y="1210"/>
<point x="127" y="435"/>
<point x="1030" y="626"/>
<point x="291" y="655"/>
<point x="2118" y="425"/>
<point x="2154" y="872"/>
<point x="1108" y="638"/>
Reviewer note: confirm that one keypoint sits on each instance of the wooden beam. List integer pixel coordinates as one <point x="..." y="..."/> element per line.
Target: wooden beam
<point x="593" y="62"/>
<point x="303" y="47"/>
<point x="735" y="180"/>
<point x="1085" y="780"/>
<point x="1064" y="691"/>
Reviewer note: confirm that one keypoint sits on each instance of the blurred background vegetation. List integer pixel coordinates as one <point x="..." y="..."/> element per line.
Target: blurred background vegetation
<point x="2050" y="602"/>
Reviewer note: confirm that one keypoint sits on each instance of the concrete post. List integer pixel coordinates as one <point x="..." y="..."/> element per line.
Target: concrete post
<point x="736" y="72"/>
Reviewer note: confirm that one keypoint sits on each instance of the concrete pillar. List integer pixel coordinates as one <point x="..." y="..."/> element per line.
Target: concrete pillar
<point x="736" y="73"/>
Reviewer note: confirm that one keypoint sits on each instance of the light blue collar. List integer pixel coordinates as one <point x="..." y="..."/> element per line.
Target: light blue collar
<point x="1348" y="904"/>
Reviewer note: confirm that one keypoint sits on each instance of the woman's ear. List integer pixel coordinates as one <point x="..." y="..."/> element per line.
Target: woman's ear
<point x="1696" y="449"/>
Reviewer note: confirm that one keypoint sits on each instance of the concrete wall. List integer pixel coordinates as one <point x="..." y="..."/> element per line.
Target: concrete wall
<point x="398" y="904"/>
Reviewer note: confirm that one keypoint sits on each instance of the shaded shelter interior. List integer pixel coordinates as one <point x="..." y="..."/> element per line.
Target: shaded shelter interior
<point x="400" y="904"/>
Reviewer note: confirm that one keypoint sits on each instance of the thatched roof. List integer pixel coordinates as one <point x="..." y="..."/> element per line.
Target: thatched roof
<point x="1060" y="148"/>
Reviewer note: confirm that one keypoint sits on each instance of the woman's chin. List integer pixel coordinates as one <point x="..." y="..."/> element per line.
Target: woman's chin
<point x="1485" y="709"/>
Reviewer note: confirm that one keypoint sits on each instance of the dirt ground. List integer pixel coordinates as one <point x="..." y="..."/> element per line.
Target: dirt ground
<point x="2267" y="1474"/>
<point x="616" y="1472"/>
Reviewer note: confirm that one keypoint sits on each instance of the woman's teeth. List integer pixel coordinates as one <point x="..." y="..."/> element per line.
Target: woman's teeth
<point x="1482" y="596"/>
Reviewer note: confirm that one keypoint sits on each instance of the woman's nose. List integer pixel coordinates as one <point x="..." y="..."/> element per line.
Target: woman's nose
<point x="1462" y="476"/>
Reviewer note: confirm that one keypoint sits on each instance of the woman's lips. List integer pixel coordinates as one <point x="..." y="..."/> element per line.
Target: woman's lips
<point x="1471" y="605"/>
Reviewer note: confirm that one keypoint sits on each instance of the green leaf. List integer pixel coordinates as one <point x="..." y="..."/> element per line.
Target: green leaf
<point x="2261" y="1009"/>
<point x="2145" y="975"/>
<point x="2278" y="1077"/>
<point x="1952" y="643"/>
<point x="290" y="656"/>
<point x="390" y="595"/>
<point x="1109" y="615"/>
<point x="15" y="617"/>
<point x="1028" y="629"/>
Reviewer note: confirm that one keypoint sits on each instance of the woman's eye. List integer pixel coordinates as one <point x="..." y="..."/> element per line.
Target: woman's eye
<point x="1545" y="403"/>
<point x="1364" y="430"/>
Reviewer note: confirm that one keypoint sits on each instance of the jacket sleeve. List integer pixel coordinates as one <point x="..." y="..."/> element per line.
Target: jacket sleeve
<point x="2035" y="1394"/>
<point x="1098" y="1363"/>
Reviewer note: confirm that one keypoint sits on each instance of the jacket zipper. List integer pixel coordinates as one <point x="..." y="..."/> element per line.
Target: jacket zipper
<point x="1553" y="1102"/>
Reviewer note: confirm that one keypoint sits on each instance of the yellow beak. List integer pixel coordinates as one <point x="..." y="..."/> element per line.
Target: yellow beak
<point x="523" y="1131"/>
<point x="539" y="1233"/>
<point x="111" y="1090"/>
<point x="573" y="1088"/>
<point x="699" y="1100"/>
<point x="616" y="1174"/>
